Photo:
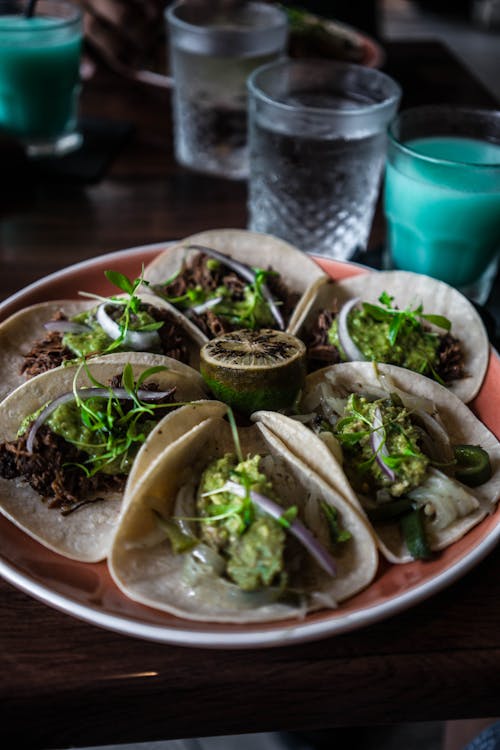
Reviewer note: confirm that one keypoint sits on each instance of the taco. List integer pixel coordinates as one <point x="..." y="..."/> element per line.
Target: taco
<point x="399" y="318"/>
<point x="404" y="449"/>
<point x="46" y="335"/>
<point x="237" y="529"/>
<point x="69" y="438"/>
<point x="229" y="279"/>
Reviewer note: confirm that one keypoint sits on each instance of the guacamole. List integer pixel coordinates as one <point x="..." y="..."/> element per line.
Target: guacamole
<point x="96" y="340"/>
<point x="396" y="446"/>
<point x="108" y="453"/>
<point x="250" y="541"/>
<point x="415" y="348"/>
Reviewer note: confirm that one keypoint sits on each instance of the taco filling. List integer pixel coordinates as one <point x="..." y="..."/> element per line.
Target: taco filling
<point x="242" y="532"/>
<point x="220" y="294"/>
<point x="408" y="338"/>
<point x="403" y="466"/>
<point x="82" y="444"/>
<point x="119" y="323"/>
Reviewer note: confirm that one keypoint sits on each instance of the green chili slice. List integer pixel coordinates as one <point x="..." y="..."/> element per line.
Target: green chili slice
<point x="473" y="465"/>
<point x="389" y="511"/>
<point x="412" y="526"/>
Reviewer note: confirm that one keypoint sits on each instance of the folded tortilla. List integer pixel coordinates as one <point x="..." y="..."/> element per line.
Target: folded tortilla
<point x="299" y="272"/>
<point x="412" y="289"/>
<point x="144" y="566"/>
<point x="417" y="391"/>
<point x="20" y="331"/>
<point x="85" y="534"/>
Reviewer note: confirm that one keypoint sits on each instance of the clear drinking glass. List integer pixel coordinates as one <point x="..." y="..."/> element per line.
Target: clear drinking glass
<point x="39" y="75"/>
<point x="212" y="52"/>
<point x="317" y="135"/>
<point x="442" y="195"/>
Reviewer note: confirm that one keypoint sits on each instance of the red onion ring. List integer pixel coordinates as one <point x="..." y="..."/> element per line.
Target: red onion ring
<point x="138" y="341"/>
<point x="377" y="441"/>
<point x="349" y="347"/>
<point x="85" y="393"/>
<point x="297" y="528"/>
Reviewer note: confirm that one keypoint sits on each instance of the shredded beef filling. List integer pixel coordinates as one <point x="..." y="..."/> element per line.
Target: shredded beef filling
<point x="197" y="273"/>
<point x="49" y="352"/>
<point x="49" y="471"/>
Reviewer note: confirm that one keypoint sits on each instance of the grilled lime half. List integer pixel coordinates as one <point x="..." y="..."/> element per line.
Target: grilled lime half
<point x="252" y="370"/>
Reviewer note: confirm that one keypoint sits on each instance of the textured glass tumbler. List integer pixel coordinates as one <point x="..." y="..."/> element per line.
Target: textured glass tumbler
<point x="212" y="52"/>
<point x="317" y="136"/>
<point x="442" y="195"/>
<point x="39" y="75"/>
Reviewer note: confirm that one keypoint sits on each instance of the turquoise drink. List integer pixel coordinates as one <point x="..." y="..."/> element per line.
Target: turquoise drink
<point x="39" y="77"/>
<point x="442" y="204"/>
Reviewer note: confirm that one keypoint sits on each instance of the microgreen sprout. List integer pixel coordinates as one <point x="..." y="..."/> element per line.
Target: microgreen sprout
<point x="116" y="431"/>
<point x="130" y="304"/>
<point x="402" y="320"/>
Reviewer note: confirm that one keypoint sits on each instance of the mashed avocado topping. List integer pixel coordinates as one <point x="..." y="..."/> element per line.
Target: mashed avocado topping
<point x="96" y="340"/>
<point x="398" y="337"/>
<point x="250" y="541"/>
<point x="68" y="422"/>
<point x="380" y="445"/>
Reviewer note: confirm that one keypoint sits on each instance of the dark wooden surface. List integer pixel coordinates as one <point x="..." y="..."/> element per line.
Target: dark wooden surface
<point x="66" y="683"/>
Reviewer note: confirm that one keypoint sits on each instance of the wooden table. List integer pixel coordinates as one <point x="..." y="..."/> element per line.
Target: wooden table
<point x="68" y="683"/>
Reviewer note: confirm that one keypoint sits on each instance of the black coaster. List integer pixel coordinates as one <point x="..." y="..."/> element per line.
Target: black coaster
<point x="102" y="141"/>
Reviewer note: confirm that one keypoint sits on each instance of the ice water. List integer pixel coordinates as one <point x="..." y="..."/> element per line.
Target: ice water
<point x="314" y="189"/>
<point x="210" y="112"/>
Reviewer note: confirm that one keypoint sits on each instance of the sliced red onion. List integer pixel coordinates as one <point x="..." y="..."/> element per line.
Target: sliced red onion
<point x="309" y="541"/>
<point x="349" y="348"/>
<point x="138" y="341"/>
<point x="247" y="274"/>
<point x="377" y="440"/>
<point x="66" y="326"/>
<point x="85" y="393"/>
<point x="204" y="306"/>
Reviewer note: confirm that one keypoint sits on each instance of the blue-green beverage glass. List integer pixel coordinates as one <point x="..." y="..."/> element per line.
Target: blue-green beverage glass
<point x="39" y="75"/>
<point x="442" y="195"/>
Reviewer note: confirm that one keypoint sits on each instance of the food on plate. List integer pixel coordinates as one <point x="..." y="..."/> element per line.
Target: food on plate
<point x="72" y="437"/>
<point x="403" y="448"/>
<point x="400" y="318"/>
<point x="314" y="36"/>
<point x="229" y="279"/>
<point x="252" y="370"/>
<point x="229" y="525"/>
<point x="46" y="335"/>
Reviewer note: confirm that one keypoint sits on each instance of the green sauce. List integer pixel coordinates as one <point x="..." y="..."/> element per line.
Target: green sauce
<point x="67" y="422"/>
<point x="355" y="430"/>
<point x="252" y="543"/>
<point x="97" y="341"/>
<point x="415" y="348"/>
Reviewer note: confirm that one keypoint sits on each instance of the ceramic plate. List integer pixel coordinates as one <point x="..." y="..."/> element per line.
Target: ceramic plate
<point x="87" y="592"/>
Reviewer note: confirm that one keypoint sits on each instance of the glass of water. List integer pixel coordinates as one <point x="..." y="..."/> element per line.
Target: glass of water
<point x="317" y="137"/>
<point x="213" y="49"/>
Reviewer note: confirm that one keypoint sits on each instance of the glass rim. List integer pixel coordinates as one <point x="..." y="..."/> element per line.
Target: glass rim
<point x="53" y="22"/>
<point x="404" y="148"/>
<point x="313" y="63"/>
<point x="270" y="10"/>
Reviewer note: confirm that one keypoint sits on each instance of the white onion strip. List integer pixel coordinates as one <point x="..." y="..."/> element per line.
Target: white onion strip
<point x="66" y="326"/>
<point x="85" y="393"/>
<point x="297" y="528"/>
<point x="349" y="348"/>
<point x="377" y="440"/>
<point x="204" y="306"/>
<point x="138" y="341"/>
